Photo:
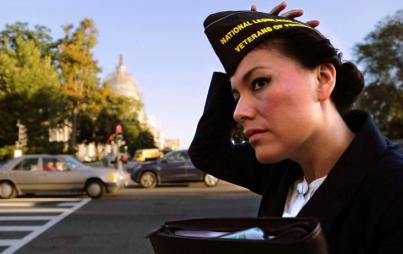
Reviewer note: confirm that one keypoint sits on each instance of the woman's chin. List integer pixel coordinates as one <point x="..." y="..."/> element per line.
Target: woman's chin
<point x="268" y="157"/>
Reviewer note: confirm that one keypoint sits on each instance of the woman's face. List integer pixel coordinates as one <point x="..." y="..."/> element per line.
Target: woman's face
<point x="277" y="104"/>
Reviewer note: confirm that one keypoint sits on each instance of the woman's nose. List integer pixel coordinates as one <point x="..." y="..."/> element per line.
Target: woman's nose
<point x="243" y="110"/>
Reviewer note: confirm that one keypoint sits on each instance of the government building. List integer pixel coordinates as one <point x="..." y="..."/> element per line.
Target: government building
<point x="121" y="83"/>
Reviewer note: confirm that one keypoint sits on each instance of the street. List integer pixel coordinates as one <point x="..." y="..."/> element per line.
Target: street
<point x="119" y="223"/>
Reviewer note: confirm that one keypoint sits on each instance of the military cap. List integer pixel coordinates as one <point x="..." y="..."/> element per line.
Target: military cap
<point x="233" y="34"/>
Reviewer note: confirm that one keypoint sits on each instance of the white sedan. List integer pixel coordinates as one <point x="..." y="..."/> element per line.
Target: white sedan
<point x="57" y="173"/>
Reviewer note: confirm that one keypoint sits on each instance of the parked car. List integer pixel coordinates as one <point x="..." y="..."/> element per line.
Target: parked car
<point x="56" y="173"/>
<point x="174" y="167"/>
<point x="399" y="142"/>
<point x="147" y="154"/>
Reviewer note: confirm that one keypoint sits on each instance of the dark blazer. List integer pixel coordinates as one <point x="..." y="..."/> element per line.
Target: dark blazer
<point x="359" y="205"/>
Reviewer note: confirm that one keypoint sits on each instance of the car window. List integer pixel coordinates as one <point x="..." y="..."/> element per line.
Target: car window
<point x="72" y="163"/>
<point x="171" y="157"/>
<point x="29" y="164"/>
<point x="185" y="156"/>
<point x="53" y="164"/>
<point x="179" y="156"/>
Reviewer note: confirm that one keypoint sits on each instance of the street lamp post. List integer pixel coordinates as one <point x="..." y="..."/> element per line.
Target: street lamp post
<point x="119" y="139"/>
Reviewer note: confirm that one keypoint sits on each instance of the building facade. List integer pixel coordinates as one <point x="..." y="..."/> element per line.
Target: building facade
<point x="122" y="83"/>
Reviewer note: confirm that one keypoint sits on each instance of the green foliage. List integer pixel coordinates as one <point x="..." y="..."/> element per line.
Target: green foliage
<point x="145" y="140"/>
<point x="382" y="51"/>
<point x="44" y="82"/>
<point x="40" y="36"/>
<point x="385" y="104"/>
<point x="49" y="147"/>
<point x="7" y="152"/>
<point x="29" y="83"/>
<point x="79" y="70"/>
<point x="114" y="110"/>
<point x="382" y="57"/>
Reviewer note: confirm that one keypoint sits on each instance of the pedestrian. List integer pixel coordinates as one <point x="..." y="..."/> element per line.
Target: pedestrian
<point x="307" y="152"/>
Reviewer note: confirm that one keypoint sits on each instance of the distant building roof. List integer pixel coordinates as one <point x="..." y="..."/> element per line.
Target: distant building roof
<point x="123" y="83"/>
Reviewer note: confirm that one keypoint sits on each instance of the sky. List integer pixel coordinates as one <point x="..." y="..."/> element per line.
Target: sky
<point x="164" y="45"/>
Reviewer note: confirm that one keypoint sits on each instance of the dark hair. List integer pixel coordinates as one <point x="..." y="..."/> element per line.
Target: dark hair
<point x="311" y="49"/>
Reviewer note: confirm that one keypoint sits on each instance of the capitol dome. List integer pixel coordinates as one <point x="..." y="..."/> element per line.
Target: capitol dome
<point x="122" y="83"/>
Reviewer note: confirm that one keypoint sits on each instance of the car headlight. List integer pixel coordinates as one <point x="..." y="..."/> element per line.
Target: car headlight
<point x="113" y="177"/>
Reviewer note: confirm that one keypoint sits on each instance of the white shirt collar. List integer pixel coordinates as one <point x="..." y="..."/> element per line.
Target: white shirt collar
<point x="299" y="194"/>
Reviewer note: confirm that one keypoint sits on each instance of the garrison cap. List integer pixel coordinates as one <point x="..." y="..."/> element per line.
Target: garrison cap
<point x="233" y="34"/>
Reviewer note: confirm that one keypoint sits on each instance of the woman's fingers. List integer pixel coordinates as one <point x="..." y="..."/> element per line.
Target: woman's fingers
<point x="313" y="23"/>
<point x="291" y="14"/>
<point x="278" y="8"/>
<point x="253" y="7"/>
<point x="275" y="11"/>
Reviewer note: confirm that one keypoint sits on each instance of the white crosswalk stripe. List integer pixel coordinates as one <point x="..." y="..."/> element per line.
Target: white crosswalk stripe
<point x="49" y="211"/>
<point x="19" y="204"/>
<point x="25" y="218"/>
<point x="34" y="210"/>
<point x="18" y="228"/>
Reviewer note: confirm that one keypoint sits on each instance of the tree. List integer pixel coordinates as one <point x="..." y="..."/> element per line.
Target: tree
<point x="79" y="70"/>
<point x="381" y="54"/>
<point x="30" y="89"/>
<point x="40" y="36"/>
<point x="43" y="82"/>
<point x="121" y="110"/>
<point x="105" y="112"/>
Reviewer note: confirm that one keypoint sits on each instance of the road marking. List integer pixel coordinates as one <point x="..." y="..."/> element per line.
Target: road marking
<point x="25" y="218"/>
<point x="34" y="210"/>
<point x="18" y="200"/>
<point x="15" y="244"/>
<point x="68" y="204"/>
<point x="22" y="204"/>
<point x="18" y="228"/>
<point x="8" y="242"/>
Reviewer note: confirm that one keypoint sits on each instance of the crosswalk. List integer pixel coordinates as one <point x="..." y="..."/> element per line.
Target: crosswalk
<point x="23" y="219"/>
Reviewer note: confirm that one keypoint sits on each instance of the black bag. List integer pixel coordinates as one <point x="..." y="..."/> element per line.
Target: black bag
<point x="287" y="236"/>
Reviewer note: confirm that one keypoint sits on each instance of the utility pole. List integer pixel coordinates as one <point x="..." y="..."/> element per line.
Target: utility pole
<point x="22" y="139"/>
<point x="118" y="142"/>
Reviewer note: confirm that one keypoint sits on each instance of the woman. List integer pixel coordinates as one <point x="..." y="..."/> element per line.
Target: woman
<point x="307" y="153"/>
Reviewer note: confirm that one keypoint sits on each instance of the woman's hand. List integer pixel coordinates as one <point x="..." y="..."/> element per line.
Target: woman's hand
<point x="291" y="14"/>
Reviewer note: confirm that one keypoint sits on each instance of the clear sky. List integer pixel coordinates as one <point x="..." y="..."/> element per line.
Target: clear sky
<point x="165" y="48"/>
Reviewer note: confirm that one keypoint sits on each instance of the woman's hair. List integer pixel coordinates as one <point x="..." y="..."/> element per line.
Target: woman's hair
<point x="311" y="49"/>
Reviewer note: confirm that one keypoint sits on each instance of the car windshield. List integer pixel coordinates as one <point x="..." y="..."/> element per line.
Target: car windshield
<point x="5" y="165"/>
<point x="73" y="163"/>
<point x="176" y="156"/>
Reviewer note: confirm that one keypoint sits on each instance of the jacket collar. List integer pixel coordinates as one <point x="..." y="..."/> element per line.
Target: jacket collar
<point x="273" y="201"/>
<point x="344" y="179"/>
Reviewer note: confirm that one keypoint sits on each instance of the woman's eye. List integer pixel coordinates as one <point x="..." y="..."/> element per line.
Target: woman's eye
<point x="259" y="83"/>
<point x="235" y="94"/>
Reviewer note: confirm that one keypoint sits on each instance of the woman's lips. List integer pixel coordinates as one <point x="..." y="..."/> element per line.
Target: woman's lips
<point x="253" y="134"/>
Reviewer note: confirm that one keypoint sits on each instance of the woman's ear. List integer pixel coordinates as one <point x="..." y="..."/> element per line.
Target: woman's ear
<point x="326" y="80"/>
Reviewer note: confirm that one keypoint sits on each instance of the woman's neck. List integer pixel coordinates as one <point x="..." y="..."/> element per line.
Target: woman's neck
<point x="319" y="154"/>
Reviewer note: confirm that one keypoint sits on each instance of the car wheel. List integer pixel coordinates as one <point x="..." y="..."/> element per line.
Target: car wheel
<point x="7" y="190"/>
<point x="210" y="181"/>
<point x="95" y="189"/>
<point x="148" y="180"/>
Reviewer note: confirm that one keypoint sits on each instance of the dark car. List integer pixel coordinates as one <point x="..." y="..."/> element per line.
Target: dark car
<point x="174" y="167"/>
<point x="399" y="142"/>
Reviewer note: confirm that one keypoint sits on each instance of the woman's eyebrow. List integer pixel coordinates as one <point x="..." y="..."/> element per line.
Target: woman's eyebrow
<point x="247" y="75"/>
